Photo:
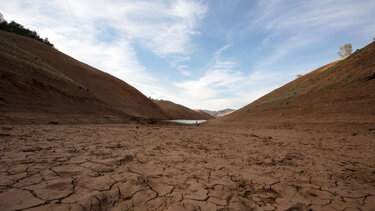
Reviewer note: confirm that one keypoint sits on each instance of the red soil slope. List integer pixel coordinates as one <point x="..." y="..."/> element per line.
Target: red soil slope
<point x="40" y="84"/>
<point x="340" y="92"/>
<point x="176" y="111"/>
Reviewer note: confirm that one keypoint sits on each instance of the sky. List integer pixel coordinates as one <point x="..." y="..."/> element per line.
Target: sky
<point x="202" y="54"/>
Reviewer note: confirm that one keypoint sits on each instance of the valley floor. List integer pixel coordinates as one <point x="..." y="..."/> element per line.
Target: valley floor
<point x="166" y="167"/>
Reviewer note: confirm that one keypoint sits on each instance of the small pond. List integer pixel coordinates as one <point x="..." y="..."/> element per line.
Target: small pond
<point x="185" y="121"/>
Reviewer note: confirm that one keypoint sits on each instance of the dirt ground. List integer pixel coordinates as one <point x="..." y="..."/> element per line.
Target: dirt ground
<point x="166" y="167"/>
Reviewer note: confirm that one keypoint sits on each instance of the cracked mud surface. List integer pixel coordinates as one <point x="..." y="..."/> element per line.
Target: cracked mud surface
<point x="132" y="167"/>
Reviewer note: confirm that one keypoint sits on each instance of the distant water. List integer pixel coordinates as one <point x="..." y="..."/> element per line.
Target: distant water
<point x="185" y="121"/>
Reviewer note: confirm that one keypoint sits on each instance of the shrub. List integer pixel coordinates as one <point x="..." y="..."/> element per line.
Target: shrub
<point x="19" y="29"/>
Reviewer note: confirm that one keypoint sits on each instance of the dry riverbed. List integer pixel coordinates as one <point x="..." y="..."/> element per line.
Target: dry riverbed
<point x="166" y="167"/>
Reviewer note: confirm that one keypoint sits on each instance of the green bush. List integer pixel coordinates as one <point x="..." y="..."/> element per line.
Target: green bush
<point x="19" y="29"/>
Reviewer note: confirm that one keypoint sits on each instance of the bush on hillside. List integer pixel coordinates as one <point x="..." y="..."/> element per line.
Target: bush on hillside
<point x="19" y="29"/>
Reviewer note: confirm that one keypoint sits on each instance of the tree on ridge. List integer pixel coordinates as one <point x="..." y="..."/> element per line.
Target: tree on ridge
<point x="345" y="50"/>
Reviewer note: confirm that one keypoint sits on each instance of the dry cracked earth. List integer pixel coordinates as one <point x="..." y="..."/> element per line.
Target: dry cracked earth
<point x="155" y="167"/>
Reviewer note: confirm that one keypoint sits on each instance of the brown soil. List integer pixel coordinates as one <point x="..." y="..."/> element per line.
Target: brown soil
<point x="340" y="92"/>
<point x="176" y="111"/>
<point x="135" y="167"/>
<point x="39" y="84"/>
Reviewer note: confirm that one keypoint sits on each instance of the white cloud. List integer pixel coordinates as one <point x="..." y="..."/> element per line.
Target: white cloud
<point x="163" y="26"/>
<point x="219" y="75"/>
<point x="282" y="49"/>
<point x="221" y="86"/>
<point x="183" y="70"/>
<point x="301" y="15"/>
<point x="74" y="27"/>
<point x="293" y="25"/>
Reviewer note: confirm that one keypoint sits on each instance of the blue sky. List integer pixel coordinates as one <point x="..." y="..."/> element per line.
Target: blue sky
<point x="202" y="54"/>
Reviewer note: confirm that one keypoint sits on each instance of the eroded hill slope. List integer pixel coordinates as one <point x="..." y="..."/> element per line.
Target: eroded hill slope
<point x="39" y="84"/>
<point x="176" y="111"/>
<point x="342" y="92"/>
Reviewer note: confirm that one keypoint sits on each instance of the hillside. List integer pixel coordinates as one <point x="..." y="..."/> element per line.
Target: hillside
<point x="204" y="114"/>
<point x="176" y="111"/>
<point x="39" y="84"/>
<point x="339" y="92"/>
<point x="220" y="113"/>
